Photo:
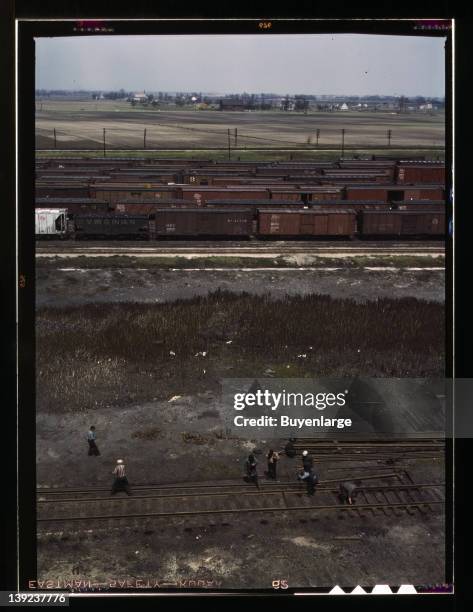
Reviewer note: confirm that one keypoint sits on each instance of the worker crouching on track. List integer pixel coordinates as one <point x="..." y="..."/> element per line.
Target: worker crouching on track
<point x="251" y="472"/>
<point x="348" y="491"/>
<point x="121" y="481"/>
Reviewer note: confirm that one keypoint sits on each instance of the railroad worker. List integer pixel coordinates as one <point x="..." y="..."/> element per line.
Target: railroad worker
<point x="312" y="481"/>
<point x="348" y="491"/>
<point x="251" y="471"/>
<point x="91" y="438"/>
<point x="273" y="458"/>
<point x="307" y="461"/>
<point x="121" y="481"/>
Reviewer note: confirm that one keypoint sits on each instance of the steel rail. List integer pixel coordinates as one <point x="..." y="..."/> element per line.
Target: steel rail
<point x="406" y="505"/>
<point x="246" y="493"/>
<point x="207" y="486"/>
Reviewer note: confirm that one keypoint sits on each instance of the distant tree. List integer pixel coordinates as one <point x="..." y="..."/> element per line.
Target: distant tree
<point x="301" y="104"/>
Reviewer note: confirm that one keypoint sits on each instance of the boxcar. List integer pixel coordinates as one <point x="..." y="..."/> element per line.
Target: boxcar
<point x="402" y="223"/>
<point x="204" y="194"/>
<point x="201" y="222"/>
<point x="111" y="225"/>
<point x="313" y="222"/>
<point x="421" y="173"/>
<point x="51" y="222"/>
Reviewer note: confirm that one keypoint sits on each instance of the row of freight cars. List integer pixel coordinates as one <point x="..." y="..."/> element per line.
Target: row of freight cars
<point x="240" y="222"/>
<point x="116" y="192"/>
<point x="206" y="172"/>
<point x="146" y="207"/>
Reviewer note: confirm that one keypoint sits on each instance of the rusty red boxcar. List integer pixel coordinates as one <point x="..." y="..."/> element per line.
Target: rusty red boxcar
<point x="313" y="222"/>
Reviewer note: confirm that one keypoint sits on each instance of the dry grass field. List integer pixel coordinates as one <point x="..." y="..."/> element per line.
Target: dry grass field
<point x="79" y="125"/>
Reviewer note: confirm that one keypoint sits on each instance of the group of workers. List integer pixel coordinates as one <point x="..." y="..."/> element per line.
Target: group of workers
<point x="347" y="490"/>
<point x="307" y="473"/>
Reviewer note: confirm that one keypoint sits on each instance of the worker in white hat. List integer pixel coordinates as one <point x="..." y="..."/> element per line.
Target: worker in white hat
<point x="121" y="481"/>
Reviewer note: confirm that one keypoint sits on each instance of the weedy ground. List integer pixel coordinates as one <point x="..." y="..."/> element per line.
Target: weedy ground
<point x="99" y="355"/>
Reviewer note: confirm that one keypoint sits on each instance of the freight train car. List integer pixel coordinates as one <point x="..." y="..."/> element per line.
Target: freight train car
<point x="401" y="223"/>
<point x="51" y="223"/>
<point x="110" y="225"/>
<point x="427" y="172"/>
<point x="313" y="222"/>
<point x="201" y="222"/>
<point x="390" y="193"/>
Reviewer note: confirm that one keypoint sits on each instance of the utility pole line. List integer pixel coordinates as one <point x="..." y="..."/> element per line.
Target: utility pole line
<point x="144" y="139"/>
<point x="236" y="138"/>
<point x="389" y="138"/>
<point x="318" y="134"/>
<point x="229" y="144"/>
<point x="104" y="142"/>
<point x="343" y="142"/>
<point x="55" y="143"/>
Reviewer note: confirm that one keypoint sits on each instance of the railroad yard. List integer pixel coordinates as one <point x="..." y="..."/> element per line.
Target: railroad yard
<point x="158" y="278"/>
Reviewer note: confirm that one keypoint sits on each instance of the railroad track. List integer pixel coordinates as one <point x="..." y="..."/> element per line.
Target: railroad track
<point x="388" y="494"/>
<point x="333" y="450"/>
<point x="275" y="248"/>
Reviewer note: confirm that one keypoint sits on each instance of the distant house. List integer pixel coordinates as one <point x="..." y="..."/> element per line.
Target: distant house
<point x="344" y="106"/>
<point x="140" y="97"/>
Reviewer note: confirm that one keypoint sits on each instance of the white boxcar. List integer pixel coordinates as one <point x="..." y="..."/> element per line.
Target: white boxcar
<point x="50" y="221"/>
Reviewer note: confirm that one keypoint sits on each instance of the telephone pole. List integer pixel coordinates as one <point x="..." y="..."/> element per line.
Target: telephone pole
<point x="229" y="144"/>
<point x="55" y="138"/>
<point x="317" y="135"/>
<point x="104" y="142"/>
<point x="343" y="142"/>
<point x="236" y="138"/>
<point x="144" y="138"/>
<point x="389" y="138"/>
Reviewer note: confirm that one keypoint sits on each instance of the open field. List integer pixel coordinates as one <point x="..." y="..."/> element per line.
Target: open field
<point x="79" y="125"/>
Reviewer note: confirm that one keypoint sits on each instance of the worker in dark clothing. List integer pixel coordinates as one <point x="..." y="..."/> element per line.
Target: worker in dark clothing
<point x="251" y="472"/>
<point x="121" y="481"/>
<point x="307" y="461"/>
<point x="273" y="458"/>
<point x="348" y="491"/>
<point x="91" y="438"/>
<point x="312" y="481"/>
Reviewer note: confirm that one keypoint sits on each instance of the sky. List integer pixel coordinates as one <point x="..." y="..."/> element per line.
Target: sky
<point x="319" y="64"/>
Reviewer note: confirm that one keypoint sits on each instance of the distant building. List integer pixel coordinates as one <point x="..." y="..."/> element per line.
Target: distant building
<point x="140" y="97"/>
<point x="344" y="106"/>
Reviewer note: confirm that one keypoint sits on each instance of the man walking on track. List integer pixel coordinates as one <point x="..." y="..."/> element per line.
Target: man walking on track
<point x="121" y="481"/>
